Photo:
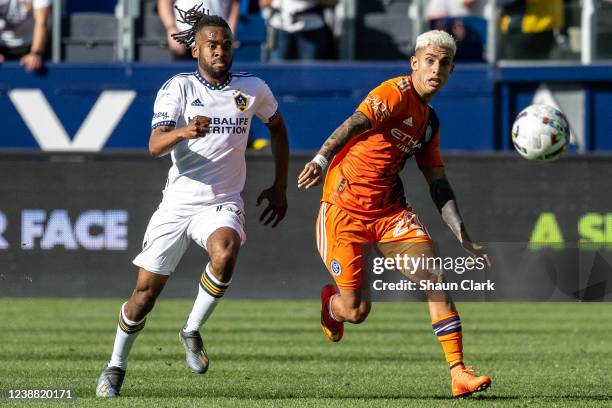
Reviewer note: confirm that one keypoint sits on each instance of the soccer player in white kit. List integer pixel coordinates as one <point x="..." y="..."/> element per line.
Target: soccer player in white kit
<point x="202" y="119"/>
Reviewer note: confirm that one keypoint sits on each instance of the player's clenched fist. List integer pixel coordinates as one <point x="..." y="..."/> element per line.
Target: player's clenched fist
<point x="197" y="127"/>
<point x="310" y="176"/>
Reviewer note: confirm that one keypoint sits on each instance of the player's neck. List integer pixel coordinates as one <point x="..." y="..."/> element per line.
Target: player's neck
<point x="212" y="80"/>
<point x="419" y="88"/>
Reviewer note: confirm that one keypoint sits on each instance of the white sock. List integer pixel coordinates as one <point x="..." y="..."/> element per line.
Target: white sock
<point x="209" y="293"/>
<point x="127" y="331"/>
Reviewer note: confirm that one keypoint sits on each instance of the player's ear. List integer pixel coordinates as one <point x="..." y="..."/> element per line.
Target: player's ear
<point x="195" y="52"/>
<point x="413" y="62"/>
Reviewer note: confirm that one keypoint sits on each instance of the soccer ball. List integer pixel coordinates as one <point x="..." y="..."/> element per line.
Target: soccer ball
<point x="540" y="133"/>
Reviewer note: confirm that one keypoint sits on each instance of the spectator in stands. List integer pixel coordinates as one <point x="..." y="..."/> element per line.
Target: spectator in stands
<point x="528" y="28"/>
<point x="453" y="8"/>
<point x="23" y="32"/>
<point x="299" y="29"/>
<point x="448" y="15"/>
<point x="229" y="10"/>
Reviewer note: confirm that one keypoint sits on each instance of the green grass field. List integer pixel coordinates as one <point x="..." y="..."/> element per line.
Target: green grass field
<point x="273" y="354"/>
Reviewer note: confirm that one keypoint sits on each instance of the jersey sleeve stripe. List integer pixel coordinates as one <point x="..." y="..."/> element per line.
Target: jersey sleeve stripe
<point x="164" y="123"/>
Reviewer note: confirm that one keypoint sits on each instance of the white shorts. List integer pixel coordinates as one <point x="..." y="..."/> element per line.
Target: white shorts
<point x="168" y="234"/>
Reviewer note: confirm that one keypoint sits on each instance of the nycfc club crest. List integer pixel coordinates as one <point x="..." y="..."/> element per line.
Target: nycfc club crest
<point x="241" y="101"/>
<point x="335" y="267"/>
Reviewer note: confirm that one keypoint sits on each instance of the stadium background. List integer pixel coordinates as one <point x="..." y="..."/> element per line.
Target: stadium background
<point x="77" y="188"/>
<point x="77" y="185"/>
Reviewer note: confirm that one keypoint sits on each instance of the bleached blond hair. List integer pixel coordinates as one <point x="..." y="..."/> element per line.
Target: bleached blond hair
<point x="437" y="38"/>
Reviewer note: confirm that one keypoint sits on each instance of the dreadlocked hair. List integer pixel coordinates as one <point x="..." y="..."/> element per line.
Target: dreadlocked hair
<point x="196" y="17"/>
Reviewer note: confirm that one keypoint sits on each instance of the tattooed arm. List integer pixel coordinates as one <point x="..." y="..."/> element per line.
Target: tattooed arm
<point x="356" y="124"/>
<point x="444" y="198"/>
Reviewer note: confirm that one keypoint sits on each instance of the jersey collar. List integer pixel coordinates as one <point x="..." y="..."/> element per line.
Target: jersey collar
<point x="213" y="86"/>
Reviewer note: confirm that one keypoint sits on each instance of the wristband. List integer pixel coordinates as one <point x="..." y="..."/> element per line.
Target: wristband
<point x="321" y="161"/>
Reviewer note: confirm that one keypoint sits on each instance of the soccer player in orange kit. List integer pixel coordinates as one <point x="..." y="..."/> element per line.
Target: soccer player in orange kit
<point x="363" y="199"/>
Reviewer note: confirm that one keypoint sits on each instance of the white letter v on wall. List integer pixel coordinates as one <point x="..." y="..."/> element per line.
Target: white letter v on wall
<point x="50" y="133"/>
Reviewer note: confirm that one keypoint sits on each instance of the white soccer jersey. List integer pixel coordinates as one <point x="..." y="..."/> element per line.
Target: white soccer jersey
<point x="212" y="168"/>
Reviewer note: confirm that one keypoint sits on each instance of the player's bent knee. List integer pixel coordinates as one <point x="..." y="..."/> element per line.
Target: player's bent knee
<point x="223" y="263"/>
<point x="358" y="314"/>
<point x="223" y="258"/>
<point x="225" y="255"/>
<point x="355" y="316"/>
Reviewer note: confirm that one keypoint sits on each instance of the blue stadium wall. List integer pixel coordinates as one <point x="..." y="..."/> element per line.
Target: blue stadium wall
<point x="476" y="108"/>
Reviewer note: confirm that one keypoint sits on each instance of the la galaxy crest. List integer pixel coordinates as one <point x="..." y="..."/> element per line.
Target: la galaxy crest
<point x="241" y="101"/>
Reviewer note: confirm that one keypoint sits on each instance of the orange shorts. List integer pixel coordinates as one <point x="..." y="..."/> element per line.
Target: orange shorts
<point x="341" y="239"/>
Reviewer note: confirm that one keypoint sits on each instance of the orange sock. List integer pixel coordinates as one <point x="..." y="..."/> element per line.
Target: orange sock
<point x="448" y="330"/>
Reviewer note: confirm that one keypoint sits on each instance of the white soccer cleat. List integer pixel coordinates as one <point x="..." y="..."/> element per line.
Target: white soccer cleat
<point x="195" y="353"/>
<point x="110" y="381"/>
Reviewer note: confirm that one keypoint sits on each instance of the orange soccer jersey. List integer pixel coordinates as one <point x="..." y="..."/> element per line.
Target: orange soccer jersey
<point x="363" y="179"/>
<point x="363" y="197"/>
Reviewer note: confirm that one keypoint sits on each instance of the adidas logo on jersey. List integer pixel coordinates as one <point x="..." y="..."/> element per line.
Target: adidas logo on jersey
<point x="408" y="121"/>
<point x="197" y="103"/>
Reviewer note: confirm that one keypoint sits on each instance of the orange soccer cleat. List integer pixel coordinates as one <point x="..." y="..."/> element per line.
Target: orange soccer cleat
<point x="332" y="329"/>
<point x="464" y="382"/>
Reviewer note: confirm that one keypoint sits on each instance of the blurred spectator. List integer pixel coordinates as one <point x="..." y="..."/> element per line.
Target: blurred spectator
<point x="450" y="16"/>
<point x="453" y="8"/>
<point x="528" y="28"/>
<point x="299" y="29"/>
<point x="228" y="9"/>
<point x="469" y="43"/>
<point x="23" y="32"/>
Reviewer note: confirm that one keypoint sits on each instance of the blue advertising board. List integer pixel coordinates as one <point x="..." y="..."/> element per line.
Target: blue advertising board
<point x="108" y="107"/>
<point x="98" y="107"/>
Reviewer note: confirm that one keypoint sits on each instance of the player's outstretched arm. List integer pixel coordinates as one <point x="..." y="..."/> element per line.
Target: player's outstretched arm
<point x="163" y="138"/>
<point x="312" y="174"/>
<point x="277" y="194"/>
<point x="444" y="198"/>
